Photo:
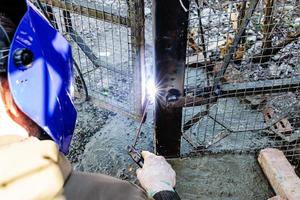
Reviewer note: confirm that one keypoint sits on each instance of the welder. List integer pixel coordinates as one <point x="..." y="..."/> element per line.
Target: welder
<point x="37" y="119"/>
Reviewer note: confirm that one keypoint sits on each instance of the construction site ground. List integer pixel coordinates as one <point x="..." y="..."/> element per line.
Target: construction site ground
<point x="99" y="146"/>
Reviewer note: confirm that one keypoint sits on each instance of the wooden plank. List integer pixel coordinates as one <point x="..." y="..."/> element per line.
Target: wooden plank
<point x="88" y="11"/>
<point x="280" y="173"/>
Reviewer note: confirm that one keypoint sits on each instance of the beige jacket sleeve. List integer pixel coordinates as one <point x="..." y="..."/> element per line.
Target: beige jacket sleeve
<point x="31" y="169"/>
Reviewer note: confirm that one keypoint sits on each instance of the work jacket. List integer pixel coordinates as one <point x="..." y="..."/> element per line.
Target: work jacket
<point x="33" y="169"/>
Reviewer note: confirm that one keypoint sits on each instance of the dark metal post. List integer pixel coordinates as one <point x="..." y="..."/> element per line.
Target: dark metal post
<point x="170" y="37"/>
<point x="136" y="16"/>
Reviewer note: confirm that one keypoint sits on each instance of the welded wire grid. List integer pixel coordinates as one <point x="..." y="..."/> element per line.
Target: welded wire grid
<point x="242" y="77"/>
<point x="106" y="39"/>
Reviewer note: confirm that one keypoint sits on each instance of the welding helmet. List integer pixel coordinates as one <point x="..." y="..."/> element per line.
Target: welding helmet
<point x="39" y="71"/>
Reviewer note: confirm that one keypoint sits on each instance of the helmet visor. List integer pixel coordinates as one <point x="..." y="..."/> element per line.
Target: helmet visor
<point x="40" y="76"/>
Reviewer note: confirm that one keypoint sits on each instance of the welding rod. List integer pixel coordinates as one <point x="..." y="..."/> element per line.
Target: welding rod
<point x="138" y="132"/>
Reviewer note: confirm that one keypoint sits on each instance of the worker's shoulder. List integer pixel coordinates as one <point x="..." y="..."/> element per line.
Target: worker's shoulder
<point x="29" y="167"/>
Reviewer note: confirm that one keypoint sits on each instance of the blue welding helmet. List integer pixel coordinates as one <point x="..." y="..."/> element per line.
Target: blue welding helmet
<point x="39" y="72"/>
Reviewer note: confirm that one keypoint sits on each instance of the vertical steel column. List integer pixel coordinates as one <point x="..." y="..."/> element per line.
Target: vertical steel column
<point x="137" y="26"/>
<point x="170" y="37"/>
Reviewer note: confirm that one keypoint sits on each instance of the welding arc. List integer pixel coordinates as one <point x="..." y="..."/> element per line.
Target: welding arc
<point x="138" y="132"/>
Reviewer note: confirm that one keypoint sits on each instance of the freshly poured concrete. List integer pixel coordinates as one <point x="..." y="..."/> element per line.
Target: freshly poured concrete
<point x="221" y="176"/>
<point x="208" y="177"/>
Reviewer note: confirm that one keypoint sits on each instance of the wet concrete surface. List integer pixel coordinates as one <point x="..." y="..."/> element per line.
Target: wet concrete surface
<point x="90" y="120"/>
<point x="100" y="147"/>
<point x="221" y="176"/>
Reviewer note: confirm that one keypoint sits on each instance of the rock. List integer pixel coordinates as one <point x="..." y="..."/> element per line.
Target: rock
<point x="147" y="11"/>
<point x="274" y="70"/>
<point x="233" y="75"/>
<point x="280" y="71"/>
<point x="276" y="57"/>
<point x="206" y="14"/>
<point x="297" y="22"/>
<point x="283" y="102"/>
<point x="252" y="38"/>
<point x="285" y="70"/>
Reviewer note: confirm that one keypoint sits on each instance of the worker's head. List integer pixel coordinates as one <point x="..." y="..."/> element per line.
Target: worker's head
<point x="12" y="120"/>
<point x="35" y="79"/>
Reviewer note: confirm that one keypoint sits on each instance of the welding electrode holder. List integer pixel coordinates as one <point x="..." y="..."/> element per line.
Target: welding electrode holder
<point x="136" y="156"/>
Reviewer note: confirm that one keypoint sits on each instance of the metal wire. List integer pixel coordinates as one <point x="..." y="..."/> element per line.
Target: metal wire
<point x="242" y="74"/>
<point x="138" y="131"/>
<point x="106" y="46"/>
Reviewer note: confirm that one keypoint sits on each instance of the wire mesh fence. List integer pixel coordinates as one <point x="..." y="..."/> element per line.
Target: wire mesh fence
<point x="242" y="76"/>
<point x="242" y="73"/>
<point x="107" y="43"/>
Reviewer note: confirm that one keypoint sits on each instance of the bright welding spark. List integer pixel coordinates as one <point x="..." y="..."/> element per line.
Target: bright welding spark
<point x="151" y="90"/>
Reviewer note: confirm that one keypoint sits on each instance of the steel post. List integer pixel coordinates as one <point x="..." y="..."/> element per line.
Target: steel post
<point x="170" y="39"/>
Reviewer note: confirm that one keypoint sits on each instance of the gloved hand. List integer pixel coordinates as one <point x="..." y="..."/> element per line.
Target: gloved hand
<point x="156" y="175"/>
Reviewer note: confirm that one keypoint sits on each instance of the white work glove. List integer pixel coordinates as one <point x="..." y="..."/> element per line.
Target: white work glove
<point x="156" y="175"/>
